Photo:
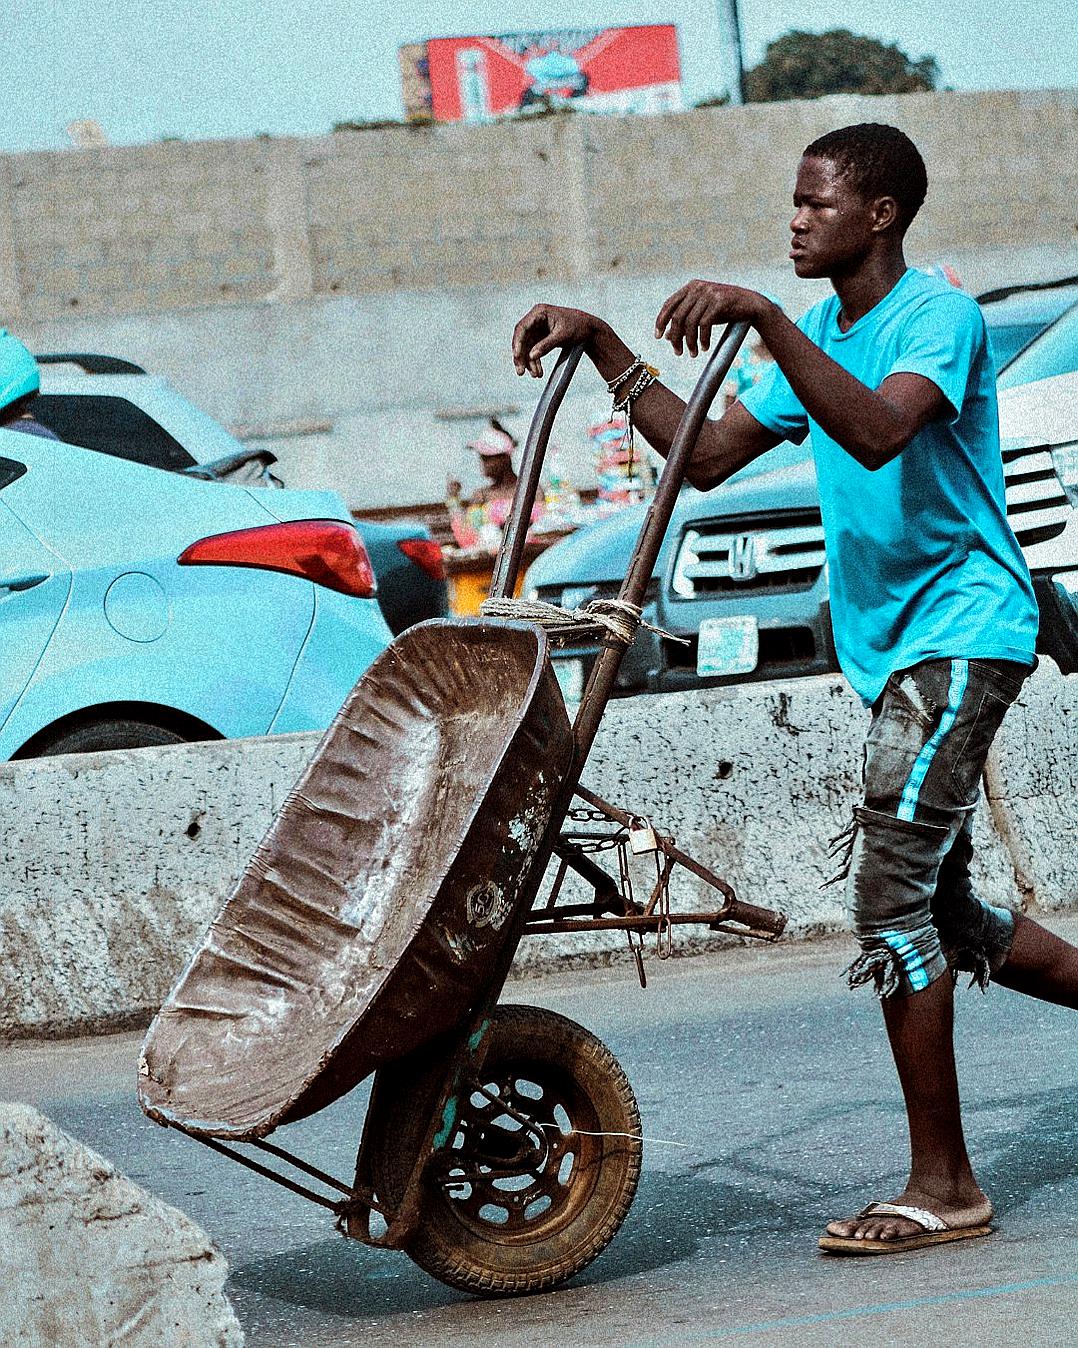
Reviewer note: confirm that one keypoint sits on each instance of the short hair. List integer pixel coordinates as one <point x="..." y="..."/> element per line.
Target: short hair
<point x="878" y="161"/>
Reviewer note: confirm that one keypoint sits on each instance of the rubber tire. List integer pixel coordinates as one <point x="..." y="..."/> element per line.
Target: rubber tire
<point x="97" y="736"/>
<point x="453" y="1253"/>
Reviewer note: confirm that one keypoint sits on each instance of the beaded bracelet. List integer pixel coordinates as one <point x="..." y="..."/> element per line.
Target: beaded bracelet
<point x="623" y="402"/>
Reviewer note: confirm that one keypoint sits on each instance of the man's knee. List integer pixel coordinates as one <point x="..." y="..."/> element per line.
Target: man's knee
<point x="899" y="962"/>
<point x="976" y="937"/>
<point x="889" y="887"/>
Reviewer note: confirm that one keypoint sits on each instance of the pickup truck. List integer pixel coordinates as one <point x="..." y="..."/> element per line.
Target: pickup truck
<point x="741" y="581"/>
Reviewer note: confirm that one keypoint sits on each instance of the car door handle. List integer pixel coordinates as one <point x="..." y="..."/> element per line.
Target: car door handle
<point x="24" y="582"/>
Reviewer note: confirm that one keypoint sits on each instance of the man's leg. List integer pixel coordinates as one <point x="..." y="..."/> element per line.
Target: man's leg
<point x="994" y="943"/>
<point x="916" y="995"/>
<point x="1041" y="964"/>
<point x="925" y="750"/>
<point x="941" y="1179"/>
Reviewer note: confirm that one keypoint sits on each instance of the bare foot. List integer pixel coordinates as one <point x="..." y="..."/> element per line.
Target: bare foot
<point x="971" y="1208"/>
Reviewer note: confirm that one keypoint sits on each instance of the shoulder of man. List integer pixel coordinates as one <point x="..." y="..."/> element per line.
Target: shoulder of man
<point x="943" y="300"/>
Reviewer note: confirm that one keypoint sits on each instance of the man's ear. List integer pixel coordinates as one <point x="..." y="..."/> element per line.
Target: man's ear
<point x="884" y="214"/>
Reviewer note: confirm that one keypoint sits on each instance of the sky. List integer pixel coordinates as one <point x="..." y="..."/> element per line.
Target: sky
<point x="160" y="68"/>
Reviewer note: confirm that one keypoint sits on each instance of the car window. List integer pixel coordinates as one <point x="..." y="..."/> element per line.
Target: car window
<point x="1006" y="340"/>
<point x="1055" y="351"/>
<point x="110" y="425"/>
<point x="10" y="470"/>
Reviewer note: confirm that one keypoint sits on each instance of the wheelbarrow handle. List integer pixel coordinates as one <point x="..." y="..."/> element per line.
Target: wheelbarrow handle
<point x="605" y="671"/>
<point x="677" y="462"/>
<point x="511" y="551"/>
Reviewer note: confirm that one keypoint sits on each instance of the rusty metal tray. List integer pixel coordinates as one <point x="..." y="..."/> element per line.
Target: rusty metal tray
<point x="374" y="912"/>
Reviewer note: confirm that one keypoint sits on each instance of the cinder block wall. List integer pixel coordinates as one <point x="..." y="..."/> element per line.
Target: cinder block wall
<point x="164" y="226"/>
<point x="368" y="279"/>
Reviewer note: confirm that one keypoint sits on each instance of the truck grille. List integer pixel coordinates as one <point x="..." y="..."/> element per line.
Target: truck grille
<point x="779" y="556"/>
<point x="1037" y="505"/>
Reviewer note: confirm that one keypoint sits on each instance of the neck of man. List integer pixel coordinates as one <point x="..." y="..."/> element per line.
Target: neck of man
<point x="867" y="281"/>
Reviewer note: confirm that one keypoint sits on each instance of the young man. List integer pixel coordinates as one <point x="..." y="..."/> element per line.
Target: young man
<point x="931" y="601"/>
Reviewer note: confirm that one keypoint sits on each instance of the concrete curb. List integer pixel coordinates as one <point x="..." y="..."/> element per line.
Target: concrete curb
<point x="126" y="857"/>
<point x="91" y="1258"/>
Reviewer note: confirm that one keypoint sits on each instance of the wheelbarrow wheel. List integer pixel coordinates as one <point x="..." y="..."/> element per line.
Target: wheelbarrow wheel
<point x="542" y="1167"/>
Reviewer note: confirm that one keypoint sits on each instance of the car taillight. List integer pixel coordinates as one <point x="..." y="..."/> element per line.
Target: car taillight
<point x="328" y="552"/>
<point x="426" y="554"/>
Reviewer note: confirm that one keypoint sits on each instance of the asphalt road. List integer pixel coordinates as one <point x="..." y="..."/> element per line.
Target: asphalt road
<point x="776" y="1084"/>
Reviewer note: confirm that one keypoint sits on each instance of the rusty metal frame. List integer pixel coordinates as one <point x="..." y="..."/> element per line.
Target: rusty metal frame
<point x="744" y="919"/>
<point x="339" y="1206"/>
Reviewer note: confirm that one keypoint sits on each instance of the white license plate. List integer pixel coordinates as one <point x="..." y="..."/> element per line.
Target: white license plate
<point x="570" y="675"/>
<point x="728" y="646"/>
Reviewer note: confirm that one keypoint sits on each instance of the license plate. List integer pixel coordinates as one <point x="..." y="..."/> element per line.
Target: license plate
<point x="570" y="675"/>
<point x="728" y="646"/>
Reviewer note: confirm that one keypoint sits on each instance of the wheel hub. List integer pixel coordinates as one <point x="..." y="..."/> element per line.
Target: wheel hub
<point x="514" y="1164"/>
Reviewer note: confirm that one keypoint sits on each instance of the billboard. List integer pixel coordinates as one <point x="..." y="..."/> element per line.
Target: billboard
<point x="475" y="79"/>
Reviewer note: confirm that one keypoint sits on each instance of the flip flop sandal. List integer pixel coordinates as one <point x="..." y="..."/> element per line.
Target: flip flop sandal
<point x="935" y="1231"/>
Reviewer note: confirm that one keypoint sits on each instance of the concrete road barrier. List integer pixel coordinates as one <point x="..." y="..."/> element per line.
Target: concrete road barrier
<point x="119" y="861"/>
<point x="1032" y="785"/>
<point x="91" y="1258"/>
<point x="117" y="866"/>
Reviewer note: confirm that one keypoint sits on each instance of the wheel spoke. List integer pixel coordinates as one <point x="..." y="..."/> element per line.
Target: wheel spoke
<point x="548" y="1116"/>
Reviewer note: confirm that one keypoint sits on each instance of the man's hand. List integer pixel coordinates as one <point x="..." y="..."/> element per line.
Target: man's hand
<point x="545" y="327"/>
<point x="687" y="317"/>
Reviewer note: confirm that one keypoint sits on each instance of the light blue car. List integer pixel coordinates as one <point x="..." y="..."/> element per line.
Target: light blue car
<point x="141" y="607"/>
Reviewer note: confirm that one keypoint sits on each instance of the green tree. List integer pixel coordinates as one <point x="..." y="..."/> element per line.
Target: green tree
<point x="809" y="65"/>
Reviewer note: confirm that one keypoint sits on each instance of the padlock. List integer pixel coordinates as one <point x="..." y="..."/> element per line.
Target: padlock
<point x="642" y="836"/>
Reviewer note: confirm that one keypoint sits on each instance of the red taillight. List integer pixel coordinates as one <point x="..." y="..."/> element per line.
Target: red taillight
<point x="426" y="554"/>
<point x="328" y="552"/>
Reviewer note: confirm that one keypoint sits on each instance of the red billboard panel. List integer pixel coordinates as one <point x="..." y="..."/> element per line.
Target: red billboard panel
<point x="474" y="79"/>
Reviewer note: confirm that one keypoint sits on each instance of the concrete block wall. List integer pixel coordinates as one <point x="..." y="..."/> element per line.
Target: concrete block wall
<point x="170" y="225"/>
<point x="707" y="188"/>
<point x="425" y="208"/>
<point x="125" y="858"/>
<point x="368" y="279"/>
<point x="140" y="228"/>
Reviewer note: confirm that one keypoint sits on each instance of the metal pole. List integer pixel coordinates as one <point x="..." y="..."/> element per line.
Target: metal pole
<point x="730" y="28"/>
<point x="511" y="552"/>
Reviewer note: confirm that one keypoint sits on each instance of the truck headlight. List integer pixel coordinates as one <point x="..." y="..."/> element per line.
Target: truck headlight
<point x="1065" y="462"/>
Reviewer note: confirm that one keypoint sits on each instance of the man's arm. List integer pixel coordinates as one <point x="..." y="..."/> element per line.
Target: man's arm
<point x="873" y="425"/>
<point x="724" y="446"/>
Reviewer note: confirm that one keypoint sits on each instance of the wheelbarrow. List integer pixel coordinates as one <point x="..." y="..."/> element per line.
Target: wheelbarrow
<point x="374" y="928"/>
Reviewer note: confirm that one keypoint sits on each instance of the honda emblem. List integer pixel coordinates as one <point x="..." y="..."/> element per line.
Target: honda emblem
<point x="742" y="560"/>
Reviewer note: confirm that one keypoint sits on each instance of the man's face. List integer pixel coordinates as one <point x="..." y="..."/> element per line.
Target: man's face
<point x="832" y="225"/>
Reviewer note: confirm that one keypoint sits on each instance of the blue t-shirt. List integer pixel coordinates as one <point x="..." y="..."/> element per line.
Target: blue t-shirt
<point x="923" y="564"/>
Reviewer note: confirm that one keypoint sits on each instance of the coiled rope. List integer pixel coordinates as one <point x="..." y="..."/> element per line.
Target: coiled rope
<point x="608" y="619"/>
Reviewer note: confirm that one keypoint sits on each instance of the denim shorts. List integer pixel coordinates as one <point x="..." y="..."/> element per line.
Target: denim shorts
<point x="911" y="902"/>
